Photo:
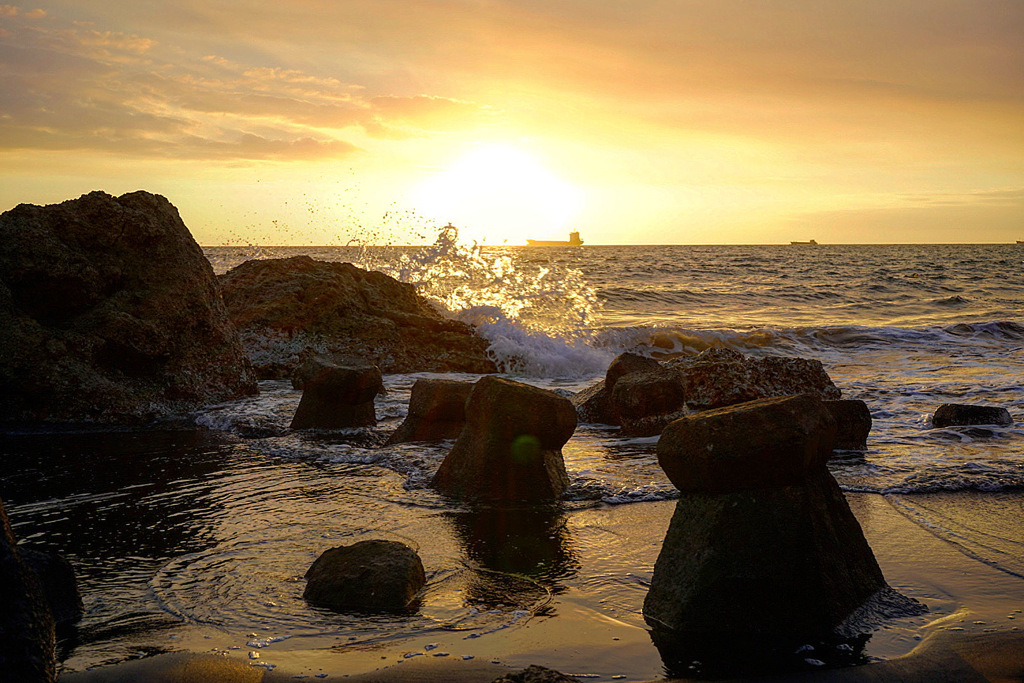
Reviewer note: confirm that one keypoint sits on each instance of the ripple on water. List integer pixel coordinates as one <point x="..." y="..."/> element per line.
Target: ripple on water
<point x="256" y="583"/>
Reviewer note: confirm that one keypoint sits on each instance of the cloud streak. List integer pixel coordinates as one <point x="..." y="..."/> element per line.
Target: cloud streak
<point x="721" y="110"/>
<point x="67" y="86"/>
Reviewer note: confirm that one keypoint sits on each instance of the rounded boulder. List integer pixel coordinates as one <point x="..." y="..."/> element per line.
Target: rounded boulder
<point x="368" y="575"/>
<point x="963" y="414"/>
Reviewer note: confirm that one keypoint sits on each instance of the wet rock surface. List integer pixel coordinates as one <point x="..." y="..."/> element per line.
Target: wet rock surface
<point x="645" y="401"/>
<point x="284" y="306"/>
<point x="337" y="396"/>
<point x="594" y="403"/>
<point x="437" y="411"/>
<point x="109" y="312"/>
<point x="368" y="575"/>
<point x="763" y="545"/>
<point x="758" y="444"/>
<point x="511" y="446"/>
<point x="962" y="414"/>
<point x="853" y="424"/>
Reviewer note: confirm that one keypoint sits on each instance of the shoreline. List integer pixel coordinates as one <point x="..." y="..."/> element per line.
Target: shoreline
<point x="973" y="630"/>
<point x="941" y="657"/>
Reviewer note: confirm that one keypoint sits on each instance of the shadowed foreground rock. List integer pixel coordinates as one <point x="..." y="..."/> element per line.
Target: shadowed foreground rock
<point x="853" y="424"/>
<point x="762" y="545"/>
<point x="337" y="397"/>
<point x="27" y="639"/>
<point x="962" y="414"/>
<point x="283" y="306"/>
<point x="368" y="575"/>
<point x="511" y="446"/>
<point x="109" y="312"/>
<point x="437" y="411"/>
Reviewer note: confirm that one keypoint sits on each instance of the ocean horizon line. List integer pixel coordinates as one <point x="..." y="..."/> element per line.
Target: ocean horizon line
<point x="590" y="245"/>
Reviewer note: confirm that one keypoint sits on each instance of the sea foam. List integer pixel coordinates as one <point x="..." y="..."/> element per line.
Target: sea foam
<point x="538" y="315"/>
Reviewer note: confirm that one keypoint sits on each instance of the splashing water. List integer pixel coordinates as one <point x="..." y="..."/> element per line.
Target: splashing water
<point x="539" y="318"/>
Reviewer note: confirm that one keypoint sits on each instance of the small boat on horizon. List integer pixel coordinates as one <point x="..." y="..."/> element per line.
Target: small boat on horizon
<point x="811" y="242"/>
<point x="573" y="241"/>
<point x="1020" y="241"/>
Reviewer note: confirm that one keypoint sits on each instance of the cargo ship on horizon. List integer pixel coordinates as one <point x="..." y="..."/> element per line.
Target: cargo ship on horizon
<point x="573" y="241"/>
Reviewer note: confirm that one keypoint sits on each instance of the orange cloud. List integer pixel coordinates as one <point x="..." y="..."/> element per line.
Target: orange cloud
<point x="78" y="87"/>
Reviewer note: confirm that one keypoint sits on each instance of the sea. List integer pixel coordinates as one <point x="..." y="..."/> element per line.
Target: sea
<point x="197" y="536"/>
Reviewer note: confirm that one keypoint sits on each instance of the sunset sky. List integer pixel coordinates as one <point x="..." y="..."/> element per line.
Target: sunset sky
<point x="653" y="122"/>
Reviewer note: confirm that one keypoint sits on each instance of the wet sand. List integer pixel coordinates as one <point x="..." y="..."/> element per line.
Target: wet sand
<point x="972" y="631"/>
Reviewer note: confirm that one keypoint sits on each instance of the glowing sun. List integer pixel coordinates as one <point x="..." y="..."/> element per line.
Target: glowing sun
<point x="499" y="194"/>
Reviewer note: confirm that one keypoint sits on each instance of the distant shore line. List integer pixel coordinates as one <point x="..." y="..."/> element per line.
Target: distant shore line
<point x="590" y="245"/>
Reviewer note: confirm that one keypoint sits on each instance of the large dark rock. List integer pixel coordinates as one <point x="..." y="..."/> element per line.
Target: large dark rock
<point x="642" y="395"/>
<point x="368" y="575"/>
<point x="769" y="442"/>
<point x="109" y="312"/>
<point x="962" y="414"/>
<point x="853" y="424"/>
<point x="282" y="306"/>
<point x="437" y="411"/>
<point x="511" y="446"/>
<point x="723" y="377"/>
<point x="338" y="397"/>
<point x="27" y="636"/>
<point x="762" y="543"/>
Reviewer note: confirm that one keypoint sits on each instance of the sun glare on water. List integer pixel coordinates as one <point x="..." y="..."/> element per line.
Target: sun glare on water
<point x="499" y="195"/>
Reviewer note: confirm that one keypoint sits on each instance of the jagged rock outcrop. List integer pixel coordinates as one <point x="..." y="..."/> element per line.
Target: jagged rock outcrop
<point x="643" y="395"/>
<point x="109" y="312"/>
<point x="283" y="306"/>
<point x="762" y="545"/>
<point x="437" y="411"/>
<point x="368" y="575"/>
<point x="338" y="397"/>
<point x="853" y="424"/>
<point x="27" y="636"/>
<point x="964" y="414"/>
<point x="723" y="377"/>
<point x="511" y="446"/>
